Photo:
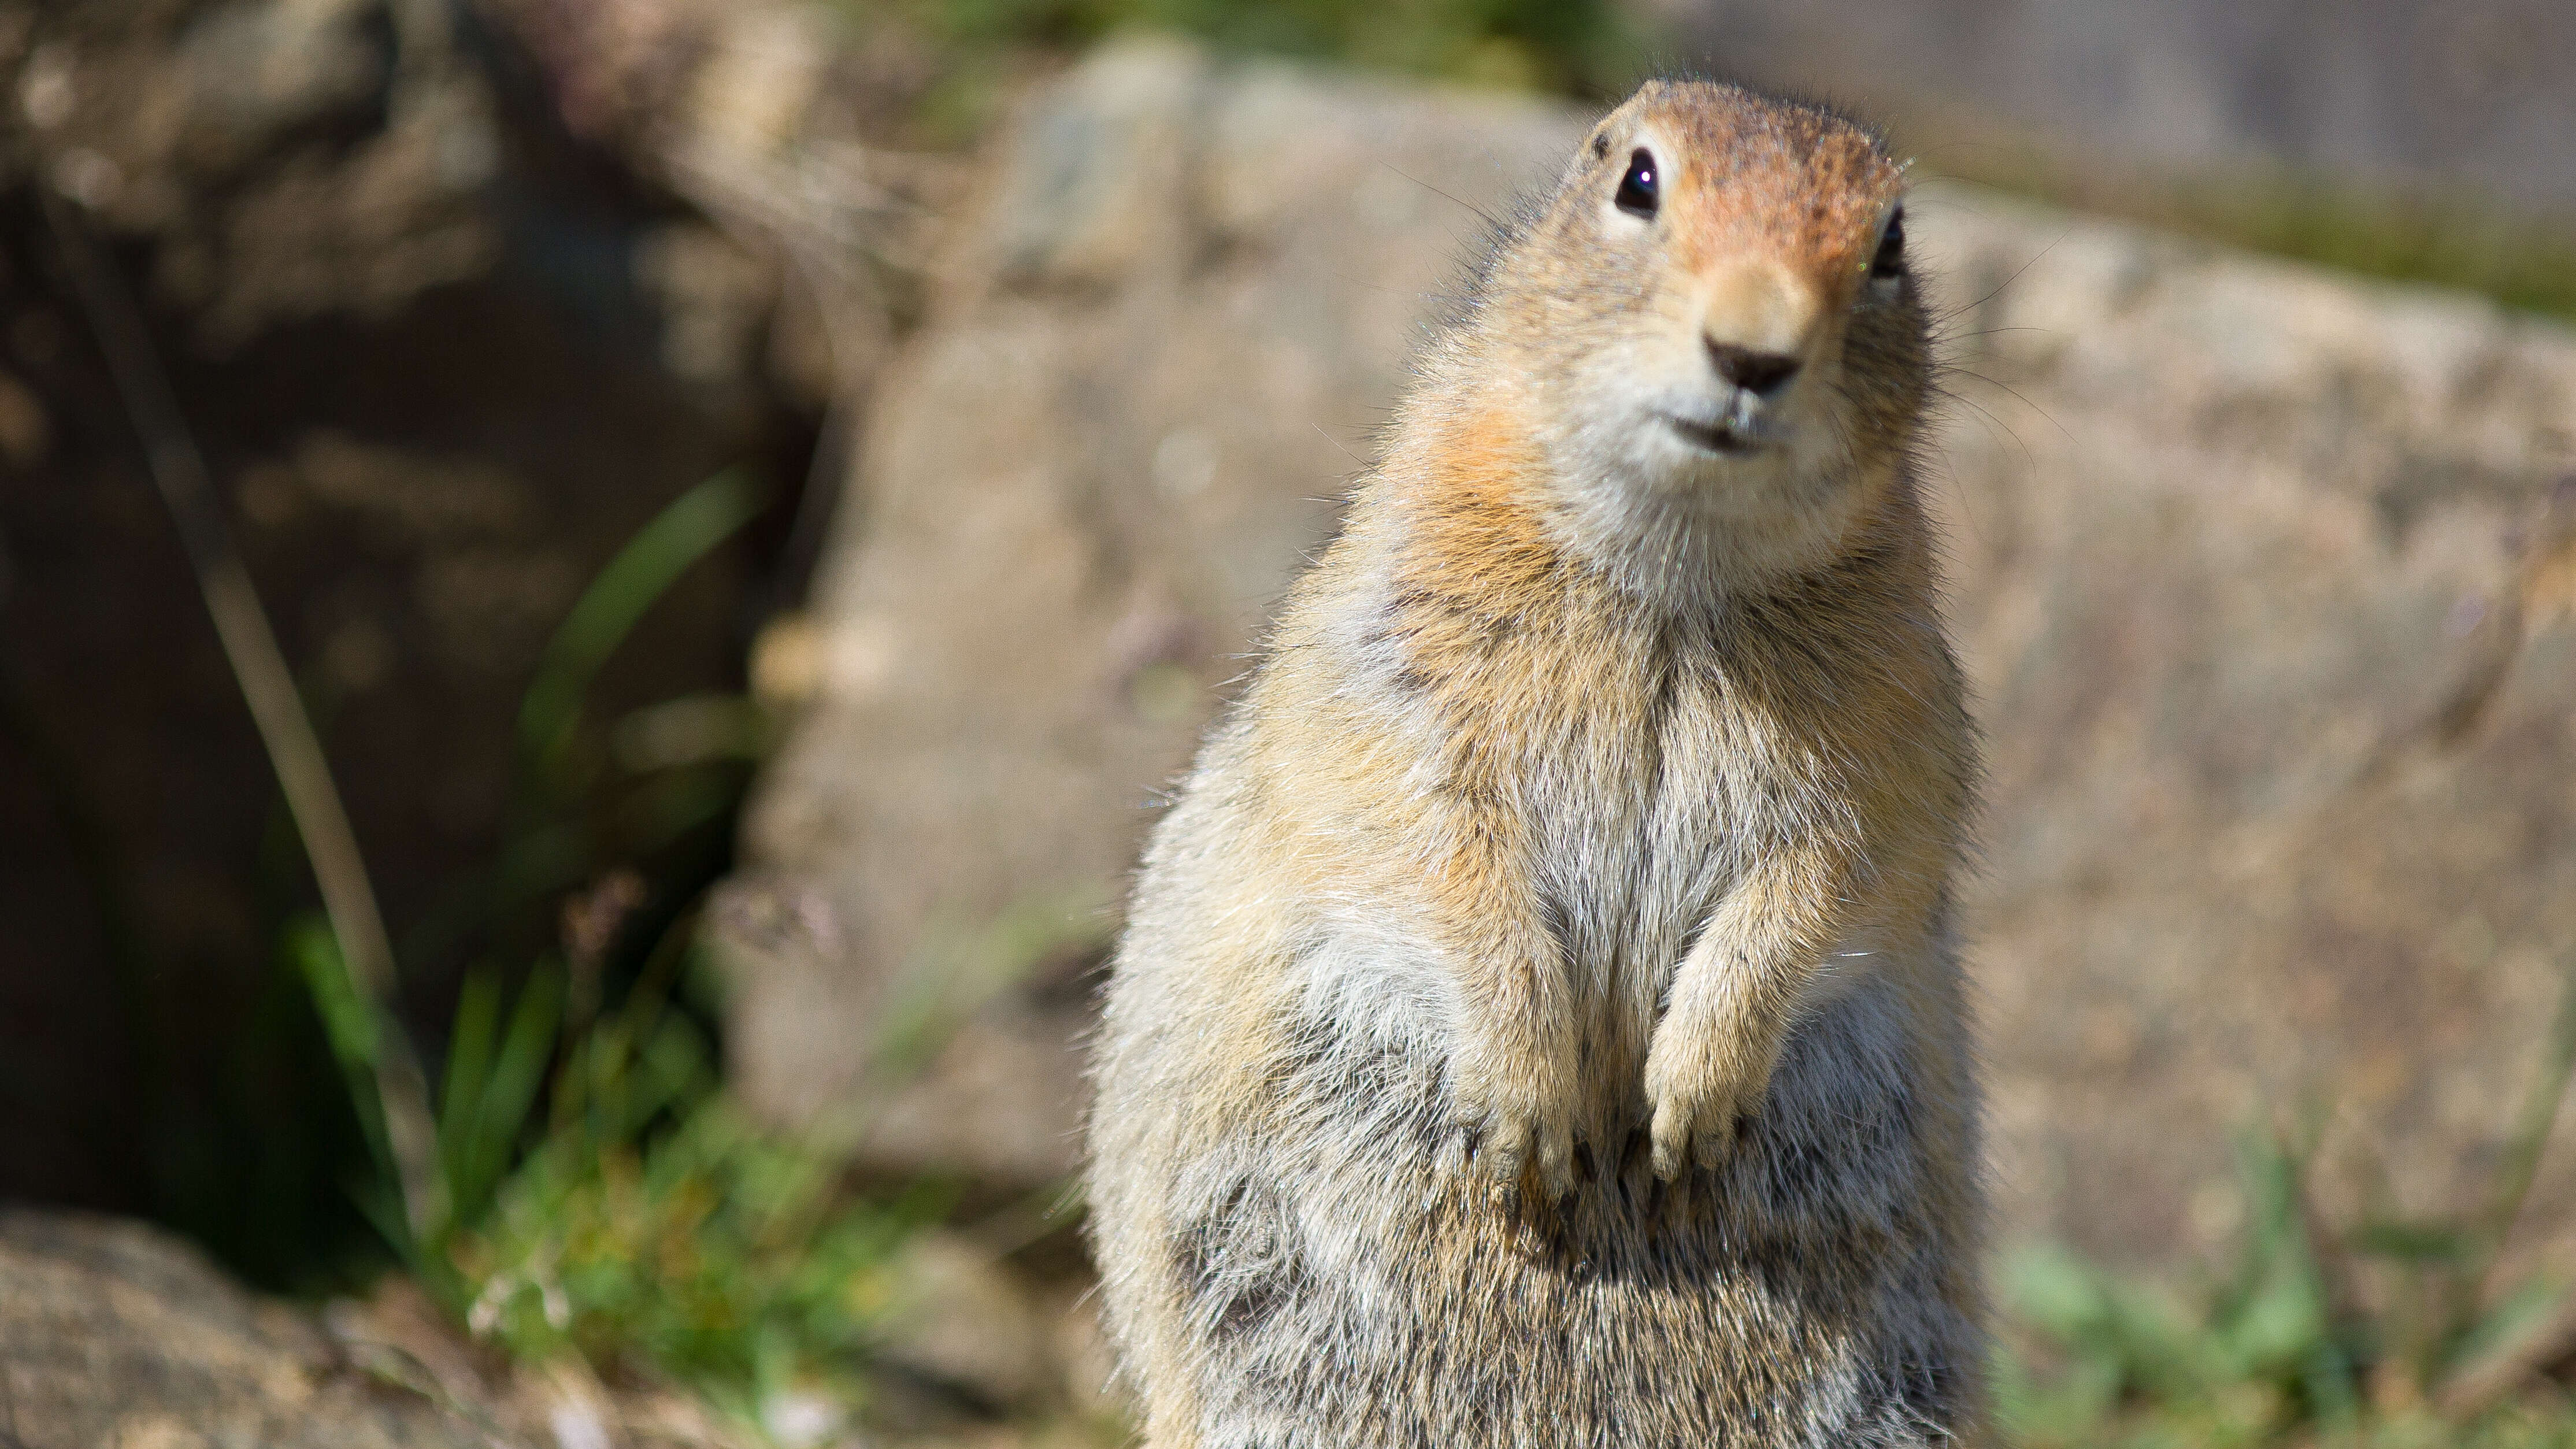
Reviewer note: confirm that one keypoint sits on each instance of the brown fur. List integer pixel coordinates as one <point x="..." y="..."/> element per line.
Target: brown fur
<point x="1538" y="1021"/>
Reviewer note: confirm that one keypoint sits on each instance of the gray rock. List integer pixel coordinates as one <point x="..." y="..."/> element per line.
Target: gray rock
<point x="2263" y="580"/>
<point x="113" y="1335"/>
<point x="2257" y="572"/>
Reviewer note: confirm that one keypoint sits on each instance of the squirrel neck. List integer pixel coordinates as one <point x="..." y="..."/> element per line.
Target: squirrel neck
<point x="1476" y="492"/>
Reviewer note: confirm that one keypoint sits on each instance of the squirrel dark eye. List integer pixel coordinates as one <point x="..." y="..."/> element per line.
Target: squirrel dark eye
<point x="1639" y="191"/>
<point x="1891" y="249"/>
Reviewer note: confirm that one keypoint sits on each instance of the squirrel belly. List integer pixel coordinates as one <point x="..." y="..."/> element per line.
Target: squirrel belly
<point x="1539" y="1019"/>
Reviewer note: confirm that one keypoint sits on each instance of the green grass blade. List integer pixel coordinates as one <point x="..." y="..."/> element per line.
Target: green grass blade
<point x="651" y="562"/>
<point x="493" y="1085"/>
<point x="518" y="1074"/>
<point x="350" y="1024"/>
<point x="470" y="1041"/>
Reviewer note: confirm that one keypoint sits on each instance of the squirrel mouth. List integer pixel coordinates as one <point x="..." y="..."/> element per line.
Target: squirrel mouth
<point x="1715" y="437"/>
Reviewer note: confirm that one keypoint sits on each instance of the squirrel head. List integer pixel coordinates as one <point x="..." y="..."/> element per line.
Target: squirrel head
<point x="1719" y="331"/>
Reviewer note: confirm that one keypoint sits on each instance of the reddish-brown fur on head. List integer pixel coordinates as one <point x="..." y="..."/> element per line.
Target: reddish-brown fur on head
<point x="1746" y="175"/>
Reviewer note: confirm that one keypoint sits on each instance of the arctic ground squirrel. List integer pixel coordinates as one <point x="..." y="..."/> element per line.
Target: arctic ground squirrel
<point x="1538" y="1021"/>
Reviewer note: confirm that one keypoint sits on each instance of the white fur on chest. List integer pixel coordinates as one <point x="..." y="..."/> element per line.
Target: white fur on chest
<point x="1629" y="869"/>
<point x="1635" y="842"/>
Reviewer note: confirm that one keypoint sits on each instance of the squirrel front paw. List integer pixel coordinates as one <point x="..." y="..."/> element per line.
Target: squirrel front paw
<point x="1513" y="1119"/>
<point x="1699" y="1096"/>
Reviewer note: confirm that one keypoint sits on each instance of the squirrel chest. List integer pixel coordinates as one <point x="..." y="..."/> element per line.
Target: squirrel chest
<point x="1640" y="757"/>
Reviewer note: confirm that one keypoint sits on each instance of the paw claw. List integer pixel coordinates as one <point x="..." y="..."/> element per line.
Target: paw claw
<point x="1686" y="1136"/>
<point x="1506" y="1149"/>
<point x="1668" y="1158"/>
<point x="1516" y="1144"/>
<point x="1556" y="1160"/>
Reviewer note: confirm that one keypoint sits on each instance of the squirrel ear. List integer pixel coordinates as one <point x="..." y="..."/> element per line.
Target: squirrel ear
<point x="1600" y="144"/>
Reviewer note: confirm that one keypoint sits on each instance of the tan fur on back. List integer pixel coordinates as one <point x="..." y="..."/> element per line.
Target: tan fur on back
<point x="1538" y="1022"/>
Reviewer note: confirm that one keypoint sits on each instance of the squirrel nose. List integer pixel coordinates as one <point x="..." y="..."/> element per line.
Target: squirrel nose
<point x="1762" y="374"/>
<point x="1758" y="319"/>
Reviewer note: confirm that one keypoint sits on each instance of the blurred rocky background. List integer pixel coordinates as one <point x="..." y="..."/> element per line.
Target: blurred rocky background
<point x="2466" y="98"/>
<point x="759" y="497"/>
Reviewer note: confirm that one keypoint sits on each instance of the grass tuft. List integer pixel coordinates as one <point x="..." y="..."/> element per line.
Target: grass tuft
<point x="2392" y="1331"/>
